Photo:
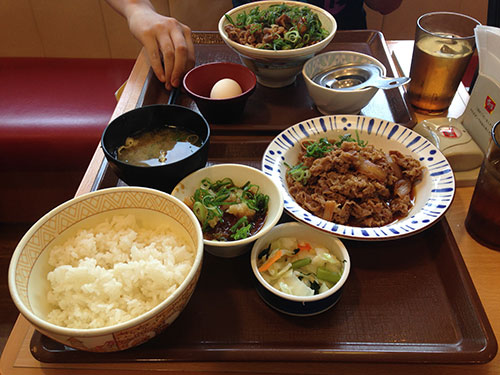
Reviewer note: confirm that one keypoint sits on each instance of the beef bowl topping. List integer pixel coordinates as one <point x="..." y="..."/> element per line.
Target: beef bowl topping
<point x="348" y="181"/>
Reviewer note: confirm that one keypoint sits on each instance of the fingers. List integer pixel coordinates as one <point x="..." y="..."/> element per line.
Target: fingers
<point x="168" y="55"/>
<point x="155" y="59"/>
<point x="184" y="54"/>
<point x="146" y="25"/>
<point x="178" y="52"/>
<point x="167" y="42"/>
<point x="170" y="50"/>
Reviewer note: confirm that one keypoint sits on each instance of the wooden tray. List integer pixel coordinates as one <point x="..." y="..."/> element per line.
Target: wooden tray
<point x="270" y="110"/>
<point x="410" y="300"/>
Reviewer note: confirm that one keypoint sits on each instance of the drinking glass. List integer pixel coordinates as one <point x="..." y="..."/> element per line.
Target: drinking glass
<point x="483" y="219"/>
<point x="444" y="44"/>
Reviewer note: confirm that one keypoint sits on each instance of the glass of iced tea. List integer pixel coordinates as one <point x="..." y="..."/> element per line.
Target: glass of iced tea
<point x="483" y="219"/>
<point x="444" y="44"/>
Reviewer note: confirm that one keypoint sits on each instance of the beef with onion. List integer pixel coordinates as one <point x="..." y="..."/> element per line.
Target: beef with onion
<point x="351" y="183"/>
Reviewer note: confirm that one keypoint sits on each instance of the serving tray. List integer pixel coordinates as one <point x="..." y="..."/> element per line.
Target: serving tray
<point x="270" y="110"/>
<point x="408" y="301"/>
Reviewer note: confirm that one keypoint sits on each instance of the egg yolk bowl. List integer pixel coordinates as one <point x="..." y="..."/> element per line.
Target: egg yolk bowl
<point x="228" y="105"/>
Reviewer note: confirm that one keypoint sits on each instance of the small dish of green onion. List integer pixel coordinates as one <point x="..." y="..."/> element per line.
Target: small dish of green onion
<point x="234" y="204"/>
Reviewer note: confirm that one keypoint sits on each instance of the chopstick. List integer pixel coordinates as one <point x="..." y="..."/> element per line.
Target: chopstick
<point x="399" y="69"/>
<point x="173" y="95"/>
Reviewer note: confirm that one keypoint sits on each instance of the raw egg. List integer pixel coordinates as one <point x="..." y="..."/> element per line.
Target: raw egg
<point x="225" y="88"/>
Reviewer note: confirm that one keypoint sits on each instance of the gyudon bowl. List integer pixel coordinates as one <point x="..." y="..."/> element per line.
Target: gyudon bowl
<point x="393" y="185"/>
<point x="235" y="204"/>
<point x="108" y="270"/>
<point x="276" y="67"/>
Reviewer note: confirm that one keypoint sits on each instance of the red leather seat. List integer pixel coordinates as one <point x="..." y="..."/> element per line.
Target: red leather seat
<point x="52" y="114"/>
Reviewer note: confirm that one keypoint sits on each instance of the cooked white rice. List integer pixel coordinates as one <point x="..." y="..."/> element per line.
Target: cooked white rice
<point x="114" y="272"/>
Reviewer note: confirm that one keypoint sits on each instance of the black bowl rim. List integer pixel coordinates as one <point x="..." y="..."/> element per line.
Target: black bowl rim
<point x="108" y="154"/>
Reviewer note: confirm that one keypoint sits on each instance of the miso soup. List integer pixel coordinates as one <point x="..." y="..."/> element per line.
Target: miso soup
<point x="158" y="147"/>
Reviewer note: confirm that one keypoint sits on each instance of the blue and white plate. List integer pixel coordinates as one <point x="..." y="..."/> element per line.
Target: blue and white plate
<point x="433" y="194"/>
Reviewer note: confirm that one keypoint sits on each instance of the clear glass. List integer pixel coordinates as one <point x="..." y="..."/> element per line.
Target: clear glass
<point x="444" y="44"/>
<point x="483" y="219"/>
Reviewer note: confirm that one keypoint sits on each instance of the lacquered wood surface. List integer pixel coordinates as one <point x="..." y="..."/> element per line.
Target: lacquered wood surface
<point x="481" y="262"/>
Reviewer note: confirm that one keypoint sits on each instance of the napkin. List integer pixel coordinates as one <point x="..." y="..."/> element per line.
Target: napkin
<point x="488" y="50"/>
<point x="483" y="109"/>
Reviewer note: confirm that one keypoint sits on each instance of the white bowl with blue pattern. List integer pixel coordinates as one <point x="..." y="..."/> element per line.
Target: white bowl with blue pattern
<point x="433" y="194"/>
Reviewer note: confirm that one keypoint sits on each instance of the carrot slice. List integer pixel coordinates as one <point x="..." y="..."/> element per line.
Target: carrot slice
<point x="304" y="246"/>
<point x="271" y="261"/>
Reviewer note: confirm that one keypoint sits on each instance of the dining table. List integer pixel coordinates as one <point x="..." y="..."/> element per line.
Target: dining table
<point x="478" y="266"/>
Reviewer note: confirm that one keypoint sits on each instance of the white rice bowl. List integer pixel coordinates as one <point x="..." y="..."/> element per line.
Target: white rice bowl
<point x="108" y="270"/>
<point x="115" y="271"/>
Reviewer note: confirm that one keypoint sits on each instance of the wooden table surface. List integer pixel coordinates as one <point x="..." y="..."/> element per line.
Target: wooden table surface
<point x="482" y="263"/>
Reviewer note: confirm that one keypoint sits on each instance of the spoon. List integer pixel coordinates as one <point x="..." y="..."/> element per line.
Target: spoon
<point x="356" y="77"/>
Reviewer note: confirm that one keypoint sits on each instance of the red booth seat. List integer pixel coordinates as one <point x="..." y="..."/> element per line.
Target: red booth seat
<point x="52" y="114"/>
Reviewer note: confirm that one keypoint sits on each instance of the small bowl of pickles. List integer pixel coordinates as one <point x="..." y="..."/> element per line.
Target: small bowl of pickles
<point x="299" y="270"/>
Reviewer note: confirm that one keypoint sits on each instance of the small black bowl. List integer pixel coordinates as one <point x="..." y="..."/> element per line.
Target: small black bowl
<point x="147" y="118"/>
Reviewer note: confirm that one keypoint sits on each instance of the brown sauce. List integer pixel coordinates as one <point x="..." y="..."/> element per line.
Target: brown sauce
<point x="222" y="231"/>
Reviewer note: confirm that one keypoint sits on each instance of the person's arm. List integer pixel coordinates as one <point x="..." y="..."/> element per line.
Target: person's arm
<point x="383" y="6"/>
<point x="164" y="38"/>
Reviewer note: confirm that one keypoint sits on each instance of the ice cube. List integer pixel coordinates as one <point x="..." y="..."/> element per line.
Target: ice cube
<point x="460" y="48"/>
<point x="446" y="49"/>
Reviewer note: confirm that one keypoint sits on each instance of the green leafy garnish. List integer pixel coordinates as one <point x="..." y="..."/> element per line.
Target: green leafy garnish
<point x="299" y="173"/>
<point x="319" y="148"/>
<point x="229" y="19"/>
<point x="241" y="229"/>
<point x="212" y="197"/>
<point x="305" y="29"/>
<point x="349" y="138"/>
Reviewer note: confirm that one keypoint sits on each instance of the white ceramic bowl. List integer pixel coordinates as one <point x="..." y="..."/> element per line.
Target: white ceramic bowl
<point x="29" y="264"/>
<point x="277" y="68"/>
<point x="240" y="174"/>
<point x="336" y="101"/>
<point x="299" y="305"/>
<point x="433" y="195"/>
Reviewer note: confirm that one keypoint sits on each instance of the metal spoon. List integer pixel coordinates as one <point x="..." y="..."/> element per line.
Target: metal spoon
<point x="356" y="77"/>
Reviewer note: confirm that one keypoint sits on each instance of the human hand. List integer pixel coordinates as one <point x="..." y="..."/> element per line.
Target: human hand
<point x="167" y="42"/>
